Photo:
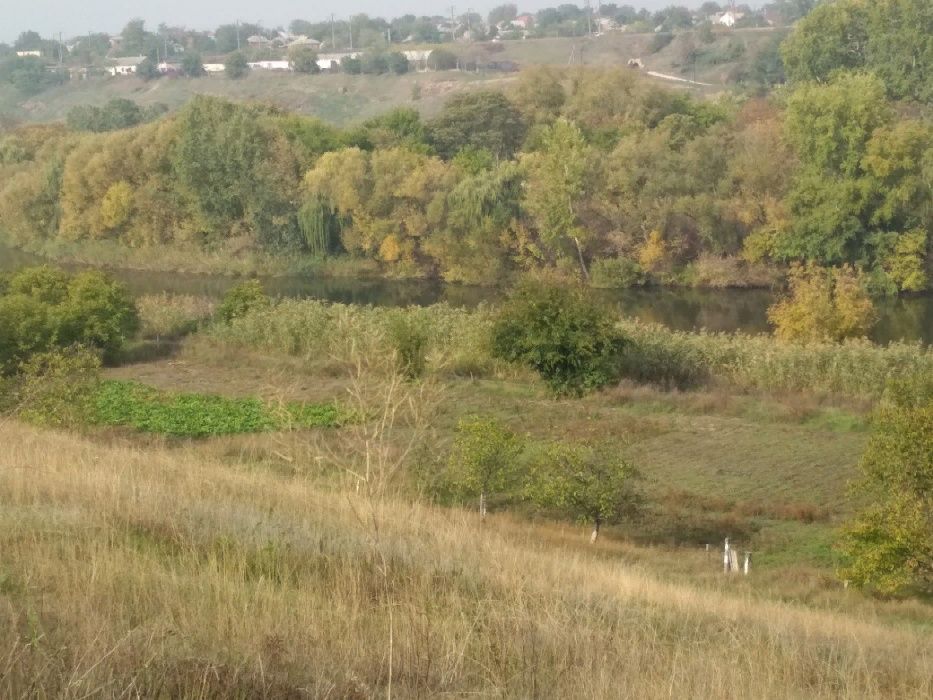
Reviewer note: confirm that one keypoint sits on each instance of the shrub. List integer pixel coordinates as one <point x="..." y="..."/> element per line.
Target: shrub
<point x="823" y="304"/>
<point x="56" y="388"/>
<point x="890" y="543"/>
<point x="410" y="341"/>
<point x="616" y="273"/>
<point x="98" y="312"/>
<point x="25" y="328"/>
<point x="242" y="299"/>
<point x="562" y="333"/>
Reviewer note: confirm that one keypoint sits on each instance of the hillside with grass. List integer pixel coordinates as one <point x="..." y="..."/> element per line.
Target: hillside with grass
<point x="724" y="62"/>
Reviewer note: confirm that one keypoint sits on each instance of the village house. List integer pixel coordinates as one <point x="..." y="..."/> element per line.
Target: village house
<point x="23" y="54"/>
<point x="727" y="19"/>
<point x="125" y="66"/>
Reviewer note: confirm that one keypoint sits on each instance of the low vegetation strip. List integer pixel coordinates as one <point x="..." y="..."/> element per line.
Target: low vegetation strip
<point x="458" y="341"/>
<point x="198" y="415"/>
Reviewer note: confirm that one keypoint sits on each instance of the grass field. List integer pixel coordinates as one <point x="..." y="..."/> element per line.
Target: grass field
<point x="162" y="572"/>
<point x="343" y="99"/>
<point x="309" y="560"/>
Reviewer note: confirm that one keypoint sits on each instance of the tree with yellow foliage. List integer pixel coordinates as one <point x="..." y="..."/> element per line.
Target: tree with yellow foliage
<point x="824" y="304"/>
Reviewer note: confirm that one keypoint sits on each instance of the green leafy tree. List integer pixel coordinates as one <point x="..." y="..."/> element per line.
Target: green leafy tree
<point x="243" y="299"/>
<point x="834" y="36"/>
<point x="148" y="70"/>
<point x="351" y="65"/>
<point x="481" y="119"/>
<point x="593" y="483"/>
<point x="304" y="60"/>
<point x="889" y="544"/>
<point x="900" y="47"/>
<point x="236" y="66"/>
<point x="502" y="13"/>
<point x="483" y="458"/>
<point x="558" y="175"/>
<point x="562" y="333"/>
<point x="191" y="64"/>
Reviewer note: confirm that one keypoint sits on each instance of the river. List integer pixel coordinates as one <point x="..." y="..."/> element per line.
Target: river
<point x="905" y="318"/>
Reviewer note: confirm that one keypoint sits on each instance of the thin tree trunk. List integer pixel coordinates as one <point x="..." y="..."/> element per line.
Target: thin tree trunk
<point x="586" y="274"/>
<point x="482" y="505"/>
<point x="596" y="523"/>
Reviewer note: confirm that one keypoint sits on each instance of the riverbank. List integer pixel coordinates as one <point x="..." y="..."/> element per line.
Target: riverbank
<point x="904" y="318"/>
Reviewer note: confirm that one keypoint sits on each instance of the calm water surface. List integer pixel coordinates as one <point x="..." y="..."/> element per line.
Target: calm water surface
<point x="907" y="318"/>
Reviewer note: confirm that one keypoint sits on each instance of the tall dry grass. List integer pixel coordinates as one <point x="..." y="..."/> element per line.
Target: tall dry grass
<point x="164" y="573"/>
<point x="458" y="342"/>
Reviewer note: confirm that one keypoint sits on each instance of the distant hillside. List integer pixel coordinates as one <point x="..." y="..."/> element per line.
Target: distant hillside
<point x="341" y="99"/>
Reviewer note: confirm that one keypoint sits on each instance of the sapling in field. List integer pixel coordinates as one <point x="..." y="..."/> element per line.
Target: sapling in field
<point x="483" y="458"/>
<point x="589" y="482"/>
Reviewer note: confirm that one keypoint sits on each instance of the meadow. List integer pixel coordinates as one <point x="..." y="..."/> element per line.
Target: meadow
<point x="316" y="558"/>
<point x="159" y="572"/>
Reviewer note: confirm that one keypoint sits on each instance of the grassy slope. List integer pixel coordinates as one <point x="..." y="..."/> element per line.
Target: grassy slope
<point x="344" y="99"/>
<point x="715" y="463"/>
<point x="163" y="572"/>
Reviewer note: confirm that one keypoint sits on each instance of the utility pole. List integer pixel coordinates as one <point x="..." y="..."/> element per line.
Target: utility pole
<point x="333" y="36"/>
<point x="453" y="25"/>
<point x="238" y="35"/>
<point x="350" y="31"/>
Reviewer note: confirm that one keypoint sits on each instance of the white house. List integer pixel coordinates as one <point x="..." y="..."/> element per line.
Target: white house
<point x="416" y="56"/>
<point x="214" y="68"/>
<point x="331" y="61"/>
<point x="126" y="65"/>
<point x="728" y="19"/>
<point x="28" y="53"/>
<point x="270" y="65"/>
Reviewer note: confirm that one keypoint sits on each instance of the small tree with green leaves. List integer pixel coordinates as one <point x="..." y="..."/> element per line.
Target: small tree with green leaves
<point x="236" y="65"/>
<point x="889" y="545"/>
<point x="562" y="333"/>
<point x="241" y="299"/>
<point x="483" y="458"/>
<point x="593" y="483"/>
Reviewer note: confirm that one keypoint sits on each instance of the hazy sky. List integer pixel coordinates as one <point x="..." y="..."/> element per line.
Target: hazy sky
<point x="75" y="17"/>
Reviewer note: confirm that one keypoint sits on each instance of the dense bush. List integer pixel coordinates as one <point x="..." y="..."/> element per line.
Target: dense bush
<point x="562" y="334"/>
<point x="44" y="308"/>
<point x="242" y="299"/>
<point x="54" y="388"/>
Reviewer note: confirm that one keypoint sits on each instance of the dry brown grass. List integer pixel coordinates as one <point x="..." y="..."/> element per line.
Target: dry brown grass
<point x="168" y="573"/>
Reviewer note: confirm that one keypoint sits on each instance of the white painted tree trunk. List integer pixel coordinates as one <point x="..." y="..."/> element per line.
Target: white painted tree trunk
<point x="482" y="505"/>
<point x="595" y="534"/>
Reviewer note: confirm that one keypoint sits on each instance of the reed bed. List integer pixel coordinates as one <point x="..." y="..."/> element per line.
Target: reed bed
<point x="459" y="343"/>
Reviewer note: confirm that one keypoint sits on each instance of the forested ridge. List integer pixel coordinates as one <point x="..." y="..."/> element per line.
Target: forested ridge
<point x="594" y="172"/>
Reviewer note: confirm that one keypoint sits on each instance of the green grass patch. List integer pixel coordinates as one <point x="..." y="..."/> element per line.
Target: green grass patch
<point x="149" y="410"/>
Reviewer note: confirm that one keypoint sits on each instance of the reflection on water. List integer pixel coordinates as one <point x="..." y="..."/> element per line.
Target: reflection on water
<point x="907" y="318"/>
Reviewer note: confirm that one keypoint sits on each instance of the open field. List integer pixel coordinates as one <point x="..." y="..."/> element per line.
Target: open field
<point x="162" y="572"/>
<point x="343" y="99"/>
<point x="319" y="560"/>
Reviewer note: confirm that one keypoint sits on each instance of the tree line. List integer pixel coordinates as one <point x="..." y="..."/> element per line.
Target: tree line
<point x="596" y="172"/>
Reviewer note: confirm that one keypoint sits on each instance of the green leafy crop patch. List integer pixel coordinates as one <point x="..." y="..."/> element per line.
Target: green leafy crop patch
<point x="149" y="410"/>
